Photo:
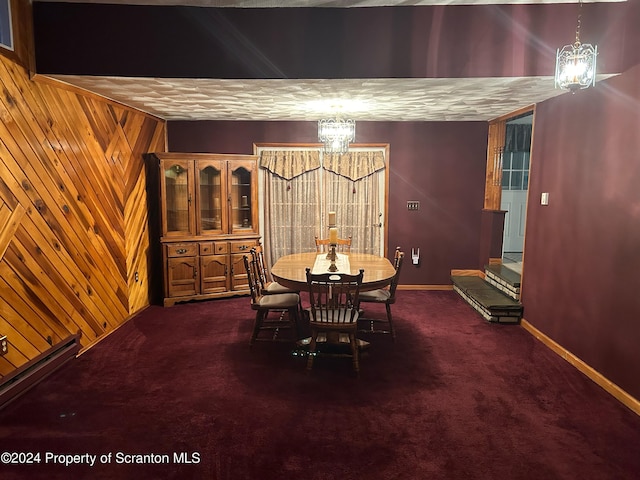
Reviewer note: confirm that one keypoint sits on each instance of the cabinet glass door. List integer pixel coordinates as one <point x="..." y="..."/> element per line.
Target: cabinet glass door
<point x="241" y="196"/>
<point x="177" y="195"/>
<point x="211" y="198"/>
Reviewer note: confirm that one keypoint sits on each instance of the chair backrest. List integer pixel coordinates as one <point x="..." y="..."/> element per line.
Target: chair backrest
<point x="261" y="270"/>
<point x="397" y="263"/>
<point x="334" y="297"/>
<point x="343" y="244"/>
<point x="252" y="278"/>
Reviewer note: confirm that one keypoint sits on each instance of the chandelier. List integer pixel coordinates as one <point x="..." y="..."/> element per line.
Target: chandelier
<point x="576" y="64"/>
<point x="336" y="133"/>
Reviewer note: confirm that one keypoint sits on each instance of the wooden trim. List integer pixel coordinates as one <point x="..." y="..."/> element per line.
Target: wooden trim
<point x="385" y="233"/>
<point x="319" y="146"/>
<point x="495" y="261"/>
<point x="467" y="273"/>
<point x="515" y="113"/>
<point x="625" y="398"/>
<point x="493" y="175"/>
<point x="36" y="370"/>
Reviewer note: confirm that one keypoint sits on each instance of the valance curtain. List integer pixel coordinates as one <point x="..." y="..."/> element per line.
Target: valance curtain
<point x="353" y="165"/>
<point x="289" y="164"/>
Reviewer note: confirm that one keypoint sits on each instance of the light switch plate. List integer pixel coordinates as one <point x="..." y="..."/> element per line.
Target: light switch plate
<point x="413" y="205"/>
<point x="544" y="198"/>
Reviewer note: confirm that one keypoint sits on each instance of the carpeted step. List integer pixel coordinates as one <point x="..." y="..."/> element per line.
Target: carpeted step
<point x="490" y="302"/>
<point x="504" y="279"/>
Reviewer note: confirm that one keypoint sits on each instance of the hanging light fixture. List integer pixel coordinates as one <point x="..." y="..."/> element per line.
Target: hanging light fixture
<point x="336" y="134"/>
<point x="576" y="64"/>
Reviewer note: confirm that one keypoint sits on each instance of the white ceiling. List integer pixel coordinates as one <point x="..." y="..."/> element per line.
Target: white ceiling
<point x="430" y="99"/>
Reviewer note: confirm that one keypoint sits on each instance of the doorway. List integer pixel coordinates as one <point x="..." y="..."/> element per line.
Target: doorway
<point x="515" y="185"/>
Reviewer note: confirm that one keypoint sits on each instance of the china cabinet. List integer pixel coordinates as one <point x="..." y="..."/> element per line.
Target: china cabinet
<point x="209" y="220"/>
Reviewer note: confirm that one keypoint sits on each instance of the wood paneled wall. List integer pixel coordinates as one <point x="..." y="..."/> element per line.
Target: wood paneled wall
<point x="73" y="213"/>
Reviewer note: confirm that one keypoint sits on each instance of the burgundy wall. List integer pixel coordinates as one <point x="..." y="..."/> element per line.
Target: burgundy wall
<point x="440" y="164"/>
<point x="375" y="42"/>
<point x="582" y="251"/>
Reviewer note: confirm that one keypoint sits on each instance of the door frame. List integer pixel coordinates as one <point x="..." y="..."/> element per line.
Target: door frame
<point x="493" y="176"/>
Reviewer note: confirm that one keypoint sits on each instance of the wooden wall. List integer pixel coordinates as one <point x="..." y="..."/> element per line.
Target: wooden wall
<point x="73" y="213"/>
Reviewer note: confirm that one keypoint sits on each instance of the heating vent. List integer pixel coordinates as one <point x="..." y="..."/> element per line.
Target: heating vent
<point x="27" y="376"/>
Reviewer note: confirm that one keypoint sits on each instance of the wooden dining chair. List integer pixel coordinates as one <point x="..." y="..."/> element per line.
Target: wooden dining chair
<point x="343" y="245"/>
<point x="263" y="304"/>
<point x="386" y="296"/>
<point x="267" y="285"/>
<point x="333" y="313"/>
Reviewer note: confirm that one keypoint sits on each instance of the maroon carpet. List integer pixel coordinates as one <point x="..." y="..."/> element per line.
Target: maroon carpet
<point x="453" y="398"/>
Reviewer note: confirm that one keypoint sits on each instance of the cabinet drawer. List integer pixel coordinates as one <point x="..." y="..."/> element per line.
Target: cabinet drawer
<point x="206" y="248"/>
<point x="182" y="249"/>
<point x="242" y="246"/>
<point x="220" y="247"/>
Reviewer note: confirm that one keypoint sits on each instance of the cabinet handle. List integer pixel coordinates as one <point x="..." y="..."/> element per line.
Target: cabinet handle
<point x="195" y="273"/>
<point x="242" y="247"/>
<point x="180" y="251"/>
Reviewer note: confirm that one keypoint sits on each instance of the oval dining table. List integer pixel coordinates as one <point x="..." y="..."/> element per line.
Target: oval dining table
<point x="290" y="270"/>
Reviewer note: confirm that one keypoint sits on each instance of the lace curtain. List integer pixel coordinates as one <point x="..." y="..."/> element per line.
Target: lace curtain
<point x="301" y="186"/>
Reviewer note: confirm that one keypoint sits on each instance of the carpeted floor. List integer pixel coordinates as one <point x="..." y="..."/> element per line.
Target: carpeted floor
<point x="453" y="398"/>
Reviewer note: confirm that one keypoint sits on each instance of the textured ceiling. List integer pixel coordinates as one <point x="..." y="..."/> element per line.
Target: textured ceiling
<point x="442" y="99"/>
<point x="431" y="99"/>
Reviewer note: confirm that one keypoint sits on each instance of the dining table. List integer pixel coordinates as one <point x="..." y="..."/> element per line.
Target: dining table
<point x="290" y="270"/>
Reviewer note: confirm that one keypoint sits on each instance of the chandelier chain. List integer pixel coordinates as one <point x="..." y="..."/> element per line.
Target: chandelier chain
<point x="578" y="25"/>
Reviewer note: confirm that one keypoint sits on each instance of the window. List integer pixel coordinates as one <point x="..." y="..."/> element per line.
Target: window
<point x="6" y="30"/>
<point x="298" y="188"/>
<point x="515" y="171"/>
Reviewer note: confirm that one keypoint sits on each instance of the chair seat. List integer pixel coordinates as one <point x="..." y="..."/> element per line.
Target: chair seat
<point x="274" y="288"/>
<point x="279" y="301"/>
<point x="380" y="296"/>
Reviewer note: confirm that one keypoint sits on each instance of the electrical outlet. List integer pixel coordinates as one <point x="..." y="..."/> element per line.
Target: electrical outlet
<point x="4" y="345"/>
